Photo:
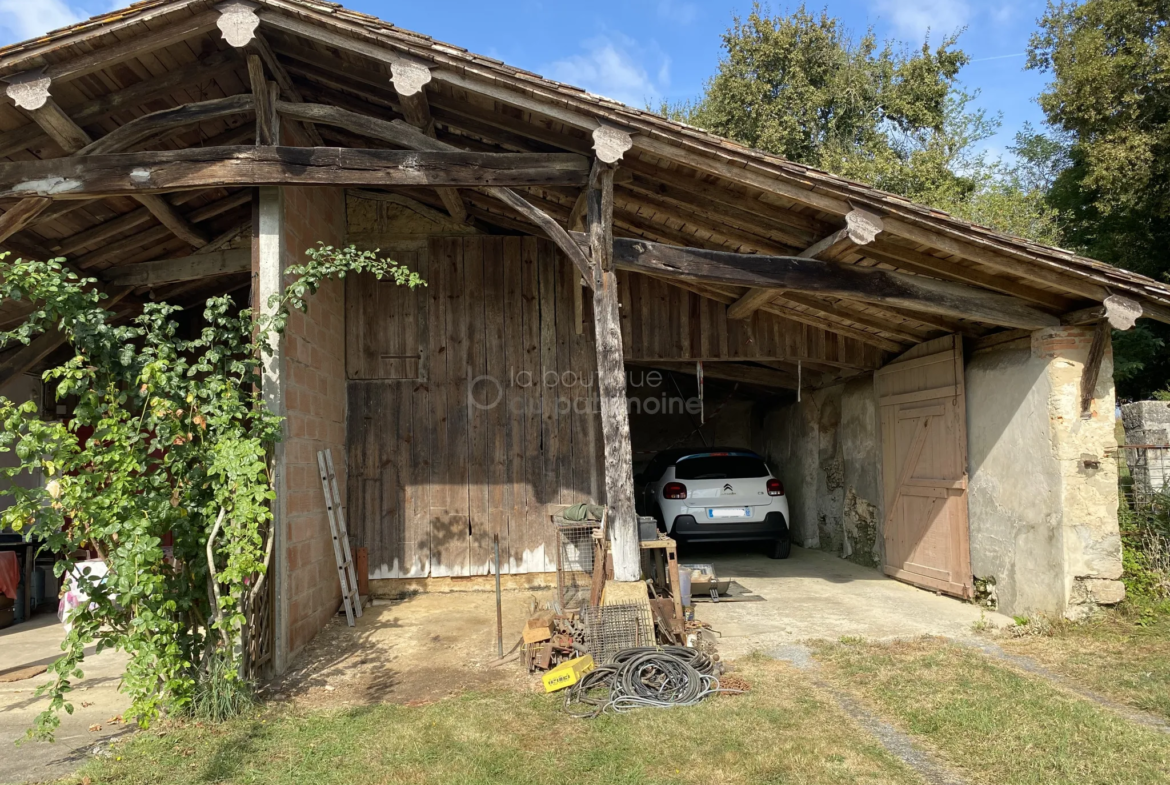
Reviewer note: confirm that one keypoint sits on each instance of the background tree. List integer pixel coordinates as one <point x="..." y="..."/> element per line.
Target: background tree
<point x="1108" y="106"/>
<point x="799" y="85"/>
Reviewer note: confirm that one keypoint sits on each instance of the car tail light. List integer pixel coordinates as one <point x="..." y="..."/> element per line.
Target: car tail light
<point x="674" y="490"/>
<point x="775" y="487"/>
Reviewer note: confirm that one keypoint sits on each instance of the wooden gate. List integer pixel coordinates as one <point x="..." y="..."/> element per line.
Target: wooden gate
<point x="924" y="467"/>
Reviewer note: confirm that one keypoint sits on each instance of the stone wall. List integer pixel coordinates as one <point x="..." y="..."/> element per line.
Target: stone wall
<point x="1148" y="423"/>
<point x="1042" y="487"/>
<point x="826" y="450"/>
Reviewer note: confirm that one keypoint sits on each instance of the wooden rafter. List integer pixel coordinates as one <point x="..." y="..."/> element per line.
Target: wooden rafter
<point x="145" y="92"/>
<point x="72" y="138"/>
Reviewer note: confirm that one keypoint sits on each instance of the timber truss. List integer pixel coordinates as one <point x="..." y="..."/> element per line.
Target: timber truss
<point x="136" y="141"/>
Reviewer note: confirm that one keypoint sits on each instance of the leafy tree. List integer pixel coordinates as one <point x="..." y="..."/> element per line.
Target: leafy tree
<point x="800" y="86"/>
<point x="167" y="435"/>
<point x="1109" y="108"/>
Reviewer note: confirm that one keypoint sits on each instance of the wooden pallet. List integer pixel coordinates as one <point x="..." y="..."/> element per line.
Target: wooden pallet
<point x="345" y="569"/>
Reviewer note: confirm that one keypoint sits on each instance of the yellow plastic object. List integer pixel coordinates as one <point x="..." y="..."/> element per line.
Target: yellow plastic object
<point x="567" y="673"/>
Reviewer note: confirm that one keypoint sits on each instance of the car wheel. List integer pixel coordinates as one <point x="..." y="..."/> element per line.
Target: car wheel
<point x="660" y="519"/>
<point x="781" y="548"/>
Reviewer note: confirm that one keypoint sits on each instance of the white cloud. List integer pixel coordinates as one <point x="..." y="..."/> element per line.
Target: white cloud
<point x="20" y="19"/>
<point x="912" y="18"/>
<point x="613" y="66"/>
<point x="682" y="13"/>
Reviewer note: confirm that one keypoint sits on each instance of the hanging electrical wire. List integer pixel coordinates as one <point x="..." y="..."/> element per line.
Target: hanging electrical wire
<point x="648" y="677"/>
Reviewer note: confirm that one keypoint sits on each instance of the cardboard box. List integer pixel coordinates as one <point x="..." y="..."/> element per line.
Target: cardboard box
<point x="567" y="673"/>
<point x="537" y="630"/>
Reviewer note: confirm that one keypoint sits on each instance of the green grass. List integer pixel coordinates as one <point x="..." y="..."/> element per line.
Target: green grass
<point x="781" y="731"/>
<point x="993" y="724"/>
<point x="1113" y="655"/>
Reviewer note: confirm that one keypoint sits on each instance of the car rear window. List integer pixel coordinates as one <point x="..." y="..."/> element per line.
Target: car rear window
<point x="720" y="467"/>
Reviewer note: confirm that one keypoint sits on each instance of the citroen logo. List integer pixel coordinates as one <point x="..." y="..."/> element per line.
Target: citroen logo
<point x="728" y="489"/>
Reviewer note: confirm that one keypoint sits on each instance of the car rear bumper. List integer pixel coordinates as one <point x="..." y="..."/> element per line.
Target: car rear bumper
<point x="687" y="528"/>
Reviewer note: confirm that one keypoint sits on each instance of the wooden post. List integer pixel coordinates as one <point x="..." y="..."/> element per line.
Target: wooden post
<point x="611" y="379"/>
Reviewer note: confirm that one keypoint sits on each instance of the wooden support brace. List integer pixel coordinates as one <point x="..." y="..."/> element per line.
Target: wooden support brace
<point x="861" y="228"/>
<point x="410" y="80"/>
<point x="1092" y="369"/>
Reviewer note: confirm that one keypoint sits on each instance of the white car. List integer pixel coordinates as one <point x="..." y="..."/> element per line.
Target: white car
<point x="716" y="495"/>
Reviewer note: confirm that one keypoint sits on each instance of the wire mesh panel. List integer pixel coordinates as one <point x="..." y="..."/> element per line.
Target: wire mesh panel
<point x="611" y="628"/>
<point x="576" y="552"/>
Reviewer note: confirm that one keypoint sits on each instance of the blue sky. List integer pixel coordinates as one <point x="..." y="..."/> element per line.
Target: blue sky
<point x="641" y="51"/>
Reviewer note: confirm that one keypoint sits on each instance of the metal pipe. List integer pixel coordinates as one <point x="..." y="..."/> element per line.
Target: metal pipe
<point x="499" y="605"/>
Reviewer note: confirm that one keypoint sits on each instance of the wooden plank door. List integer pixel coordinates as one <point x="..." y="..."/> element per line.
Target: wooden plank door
<point x="924" y="466"/>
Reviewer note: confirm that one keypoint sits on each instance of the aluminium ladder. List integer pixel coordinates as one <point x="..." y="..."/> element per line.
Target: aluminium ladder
<point x="345" y="569"/>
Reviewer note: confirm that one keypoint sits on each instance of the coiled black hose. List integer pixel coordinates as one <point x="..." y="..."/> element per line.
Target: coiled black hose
<point x="645" y="677"/>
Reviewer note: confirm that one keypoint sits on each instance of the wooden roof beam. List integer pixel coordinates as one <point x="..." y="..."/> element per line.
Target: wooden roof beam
<point x="130" y="174"/>
<point x="410" y="82"/>
<point x="831" y="279"/>
<point x="861" y="228"/>
<point x="727" y="370"/>
<point x="186" y="268"/>
<point x="404" y="135"/>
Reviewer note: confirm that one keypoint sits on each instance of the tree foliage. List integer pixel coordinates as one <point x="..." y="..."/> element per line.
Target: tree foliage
<point x="801" y="86"/>
<point x="167" y="436"/>
<point x="1108" y="105"/>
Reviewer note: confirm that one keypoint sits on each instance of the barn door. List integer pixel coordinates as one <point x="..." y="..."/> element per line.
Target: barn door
<point x="924" y="467"/>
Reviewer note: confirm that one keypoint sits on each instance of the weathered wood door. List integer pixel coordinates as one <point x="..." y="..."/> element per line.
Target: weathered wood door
<point x="924" y="467"/>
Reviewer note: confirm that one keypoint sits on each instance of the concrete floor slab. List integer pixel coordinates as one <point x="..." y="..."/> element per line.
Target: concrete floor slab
<point x="815" y="595"/>
<point x="95" y="700"/>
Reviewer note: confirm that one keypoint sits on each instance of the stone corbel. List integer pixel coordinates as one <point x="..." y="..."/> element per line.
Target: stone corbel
<point x="1121" y="312"/>
<point x="863" y="226"/>
<point x="238" y="21"/>
<point x="409" y="78"/>
<point x="611" y="143"/>
<point x="29" y="90"/>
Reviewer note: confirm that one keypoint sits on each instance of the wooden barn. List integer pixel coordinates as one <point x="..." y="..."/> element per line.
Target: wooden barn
<point x="936" y="396"/>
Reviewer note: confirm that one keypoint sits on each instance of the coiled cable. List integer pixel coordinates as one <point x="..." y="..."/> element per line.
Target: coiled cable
<point x="656" y="677"/>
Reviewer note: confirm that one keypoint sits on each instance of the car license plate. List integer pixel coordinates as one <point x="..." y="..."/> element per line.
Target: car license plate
<point x="729" y="512"/>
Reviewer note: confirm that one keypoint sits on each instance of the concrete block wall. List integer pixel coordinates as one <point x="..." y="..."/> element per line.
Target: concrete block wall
<point x="315" y="401"/>
<point x="1042" y="487"/>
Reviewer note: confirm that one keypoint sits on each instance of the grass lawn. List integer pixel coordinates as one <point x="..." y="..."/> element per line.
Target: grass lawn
<point x="781" y="731"/>
<point x="993" y="724"/>
<point x="1110" y="655"/>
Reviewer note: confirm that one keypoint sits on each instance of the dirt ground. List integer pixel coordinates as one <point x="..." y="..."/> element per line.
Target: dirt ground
<point x="412" y="651"/>
<point x="430" y="646"/>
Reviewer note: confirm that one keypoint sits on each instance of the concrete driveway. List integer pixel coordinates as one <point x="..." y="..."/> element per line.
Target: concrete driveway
<point x="95" y="701"/>
<point x="813" y="594"/>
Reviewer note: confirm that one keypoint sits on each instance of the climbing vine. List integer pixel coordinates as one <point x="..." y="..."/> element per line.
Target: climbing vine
<point x="170" y="440"/>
